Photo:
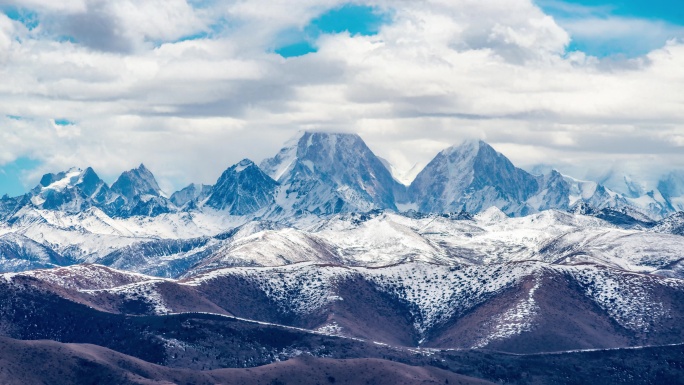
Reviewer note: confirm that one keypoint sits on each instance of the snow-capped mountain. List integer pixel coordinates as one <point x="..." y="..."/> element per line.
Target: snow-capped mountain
<point x="135" y="193"/>
<point x="243" y="189"/>
<point x="321" y="174"/>
<point x="472" y="177"/>
<point x="138" y="182"/>
<point x="330" y="173"/>
<point x="139" y="194"/>
<point x="72" y="191"/>
<point x="194" y="192"/>
<point x="322" y="246"/>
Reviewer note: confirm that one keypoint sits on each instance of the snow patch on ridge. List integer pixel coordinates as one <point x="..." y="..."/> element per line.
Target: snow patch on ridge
<point x="514" y="321"/>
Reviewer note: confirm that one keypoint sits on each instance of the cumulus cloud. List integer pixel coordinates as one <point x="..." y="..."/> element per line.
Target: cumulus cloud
<point x="189" y="88"/>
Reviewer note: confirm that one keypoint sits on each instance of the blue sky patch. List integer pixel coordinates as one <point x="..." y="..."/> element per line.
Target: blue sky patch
<point x="671" y="11"/>
<point x="64" y="122"/>
<point x="627" y="28"/>
<point x="354" y="19"/>
<point x="24" y="16"/>
<point x="11" y="176"/>
<point x="297" y="49"/>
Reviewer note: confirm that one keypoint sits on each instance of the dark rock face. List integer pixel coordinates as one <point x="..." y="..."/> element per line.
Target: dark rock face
<point x="554" y="192"/>
<point x="672" y="185"/>
<point x="10" y="206"/>
<point x="243" y="189"/>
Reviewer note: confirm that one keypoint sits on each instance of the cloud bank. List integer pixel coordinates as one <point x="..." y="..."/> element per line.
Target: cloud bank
<point x="191" y="87"/>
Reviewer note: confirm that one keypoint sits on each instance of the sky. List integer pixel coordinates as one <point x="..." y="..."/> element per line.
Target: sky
<point x="592" y="88"/>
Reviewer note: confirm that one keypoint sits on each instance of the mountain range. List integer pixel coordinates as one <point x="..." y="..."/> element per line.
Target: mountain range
<point x="322" y="174"/>
<point x="477" y="272"/>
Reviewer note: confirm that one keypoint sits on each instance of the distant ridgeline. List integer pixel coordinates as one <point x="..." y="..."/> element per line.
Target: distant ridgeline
<point x="322" y="174"/>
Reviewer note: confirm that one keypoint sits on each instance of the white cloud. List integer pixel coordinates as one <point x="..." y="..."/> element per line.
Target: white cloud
<point x="6" y="32"/>
<point x="440" y="72"/>
<point x="48" y="5"/>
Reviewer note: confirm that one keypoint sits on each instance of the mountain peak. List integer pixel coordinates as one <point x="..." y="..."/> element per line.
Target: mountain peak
<point x="472" y="176"/>
<point x="331" y="172"/>
<point x="467" y="145"/>
<point x="193" y="192"/>
<point x="136" y="182"/>
<point x="71" y="191"/>
<point x="243" y="164"/>
<point x="326" y="134"/>
<point x="242" y="189"/>
<point x="61" y="180"/>
<point x="298" y="147"/>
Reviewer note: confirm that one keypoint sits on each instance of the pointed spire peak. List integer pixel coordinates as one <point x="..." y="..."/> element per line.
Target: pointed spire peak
<point x="88" y="175"/>
<point x="137" y="182"/>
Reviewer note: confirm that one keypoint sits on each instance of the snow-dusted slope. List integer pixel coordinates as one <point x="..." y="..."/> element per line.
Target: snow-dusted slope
<point x="482" y="305"/>
<point x="20" y="253"/>
<point x="528" y="306"/>
<point x="385" y="238"/>
<point x="674" y="224"/>
<point x="92" y="235"/>
<point x="177" y="244"/>
<point x="524" y="306"/>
